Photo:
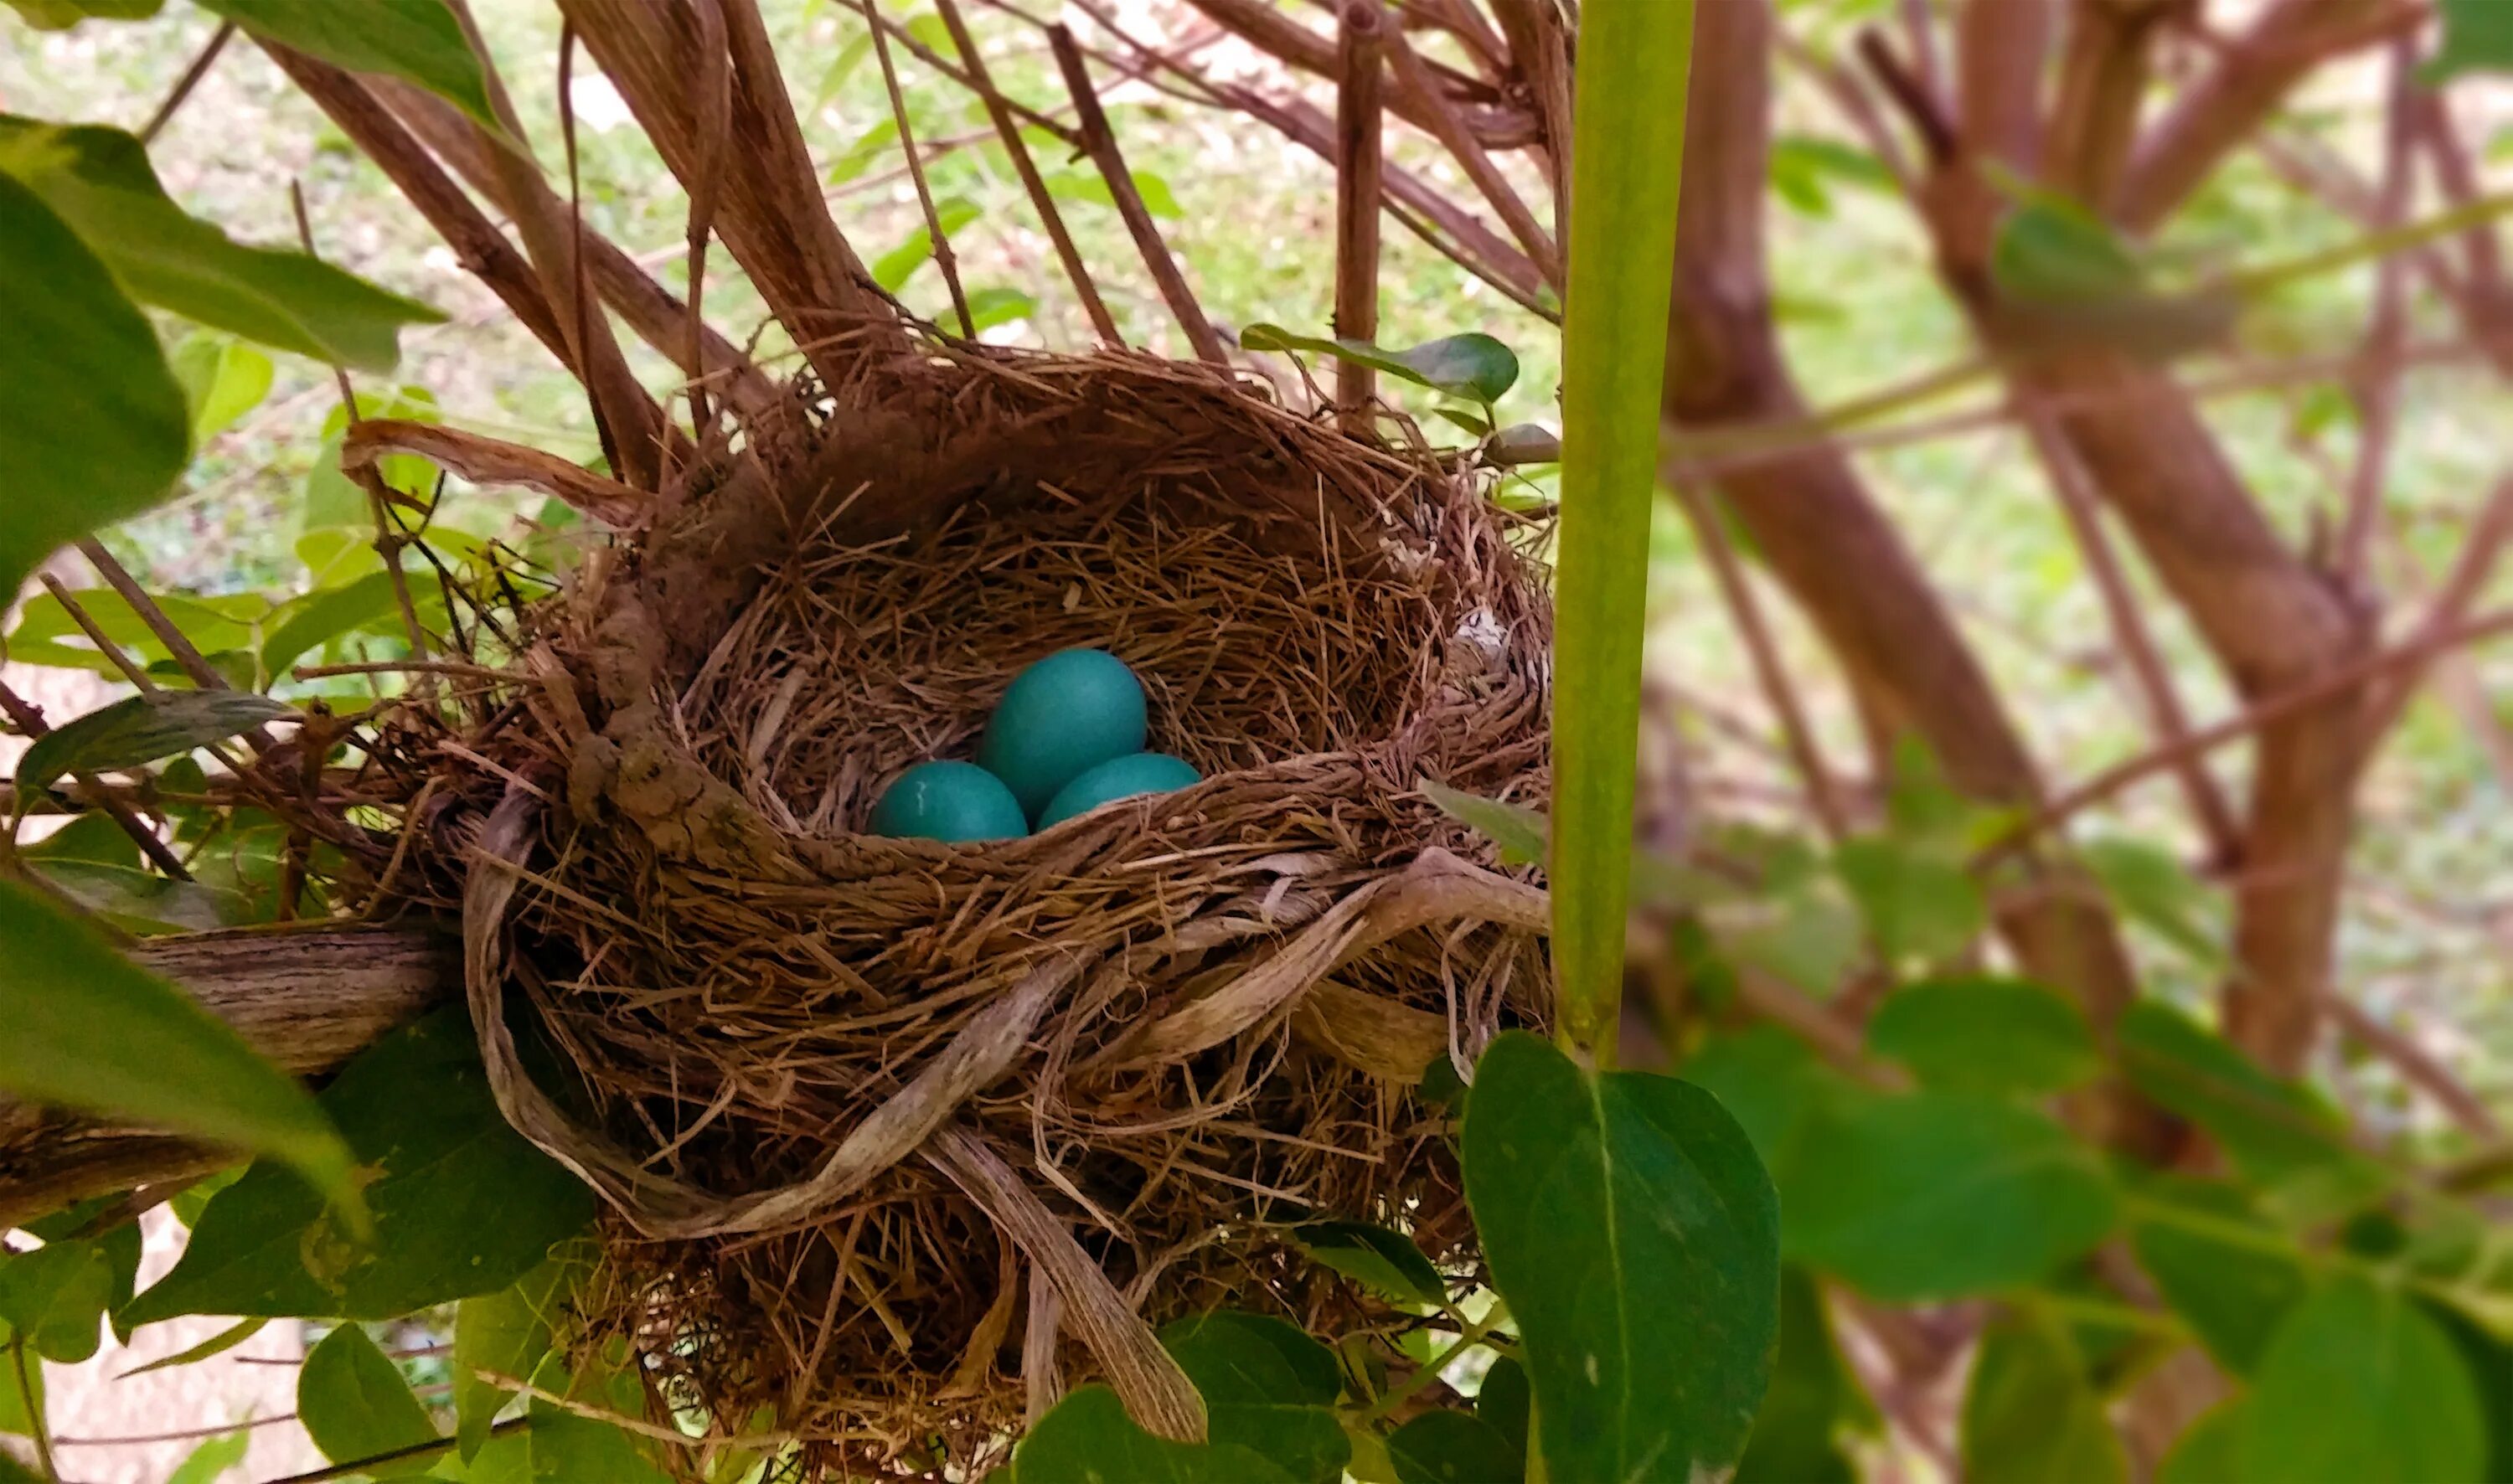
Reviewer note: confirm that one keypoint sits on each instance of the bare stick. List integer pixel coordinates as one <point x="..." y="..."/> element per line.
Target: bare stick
<point x="1778" y="688"/>
<point x="2420" y="1071"/>
<point x="183" y="85"/>
<point x="2462" y="588"/>
<point x="2378" y="380"/>
<point x="942" y="258"/>
<point x="28" y="719"/>
<point x="2216" y="820"/>
<point x="1102" y="145"/>
<point x="1416" y="80"/>
<point x="1357" y="192"/>
<point x="998" y="110"/>
<point x="715" y="132"/>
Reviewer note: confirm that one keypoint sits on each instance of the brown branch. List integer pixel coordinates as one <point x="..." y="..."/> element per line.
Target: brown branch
<point x="1540" y="48"/>
<point x="940" y="240"/>
<point x="1358" y="188"/>
<point x="308" y="999"/>
<point x="1102" y="145"/>
<point x="1414" y="80"/>
<point x="206" y="59"/>
<point x="2472" y="573"/>
<point x="1277" y="35"/>
<point x="2419" y="1070"/>
<point x="2377" y="379"/>
<point x="1008" y="131"/>
<point x="2102" y="85"/>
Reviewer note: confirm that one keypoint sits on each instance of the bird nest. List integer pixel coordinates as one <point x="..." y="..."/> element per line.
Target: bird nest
<point x="899" y="1138"/>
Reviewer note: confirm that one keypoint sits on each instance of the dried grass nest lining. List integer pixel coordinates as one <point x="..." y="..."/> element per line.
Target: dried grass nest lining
<point x="863" y="1105"/>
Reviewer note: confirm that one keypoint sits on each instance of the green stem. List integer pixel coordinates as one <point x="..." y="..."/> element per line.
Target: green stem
<point x="2253" y="282"/>
<point x="36" y="1428"/>
<point x="427" y="1450"/>
<point x="1476" y="1333"/>
<point x="1635" y="57"/>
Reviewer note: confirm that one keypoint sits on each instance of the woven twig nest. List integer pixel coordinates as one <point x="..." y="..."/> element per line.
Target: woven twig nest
<point x="900" y="1137"/>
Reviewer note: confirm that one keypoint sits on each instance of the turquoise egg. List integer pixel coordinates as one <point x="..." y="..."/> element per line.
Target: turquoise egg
<point x="1064" y="716"/>
<point x="953" y="801"/>
<point x="1119" y="778"/>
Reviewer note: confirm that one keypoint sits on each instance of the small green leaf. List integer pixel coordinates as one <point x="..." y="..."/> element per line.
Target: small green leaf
<point x="222" y="379"/>
<point x="1635" y="1239"/>
<point x="2153" y="889"/>
<point x="1939" y="1195"/>
<point x="1386" y="1262"/>
<point x="2234" y="1293"/>
<point x="868" y="147"/>
<point x="2049" y="250"/>
<point x="1267" y="1387"/>
<point x="61" y="15"/>
<point x="1920" y="905"/>
<point x="1518" y="830"/>
<point x="990" y="307"/>
<point x="99" y="182"/>
<point x="1508" y="1401"/>
<point x="2210" y="1451"/>
<point x="92" y="423"/>
<point x="212" y="1460"/>
<point x="506" y="1332"/>
<point x="56" y="1297"/>
<point x="316" y="619"/>
<point x="2030" y="1417"/>
<point x="1979" y="1034"/>
<point x="355" y="1403"/>
<point x="894" y="268"/>
<point x="1470" y="364"/>
<point x="1454" y="1448"/>
<point x="463" y="1205"/>
<point x="2360" y="1385"/>
<point x="1809" y="1398"/>
<point x="418" y="41"/>
<point x="2477" y="37"/>
<point x="567" y="1447"/>
<point x="90" y="1029"/>
<point x="1088" y="1438"/>
<point x="218" y="1343"/>
<point x="2270" y="1128"/>
<point x="841" y="67"/>
<point x="142" y="729"/>
<point x="1772" y="1084"/>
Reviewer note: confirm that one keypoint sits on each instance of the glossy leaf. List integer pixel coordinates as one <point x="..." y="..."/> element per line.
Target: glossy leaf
<point x="1919" y="904"/>
<point x="91" y="1030"/>
<point x="92" y="423"/>
<point x="1267" y="1387"/>
<point x="2233" y="1294"/>
<point x="2029" y="1416"/>
<point x="142" y="729"/>
<point x="1794" y="1440"/>
<point x="2361" y="1385"/>
<point x="1454" y="1448"/>
<point x="99" y="179"/>
<point x="418" y="41"/>
<point x="1939" y="1195"/>
<point x="463" y="1205"/>
<point x="1979" y="1034"/>
<point x="1472" y="365"/>
<point x="355" y="1403"/>
<point x="222" y="379"/>
<point x="1519" y="831"/>
<point x="1635" y="1239"/>
<point x="1087" y="1438"/>
<point x="1508" y="1401"/>
<point x="1384" y="1261"/>
<point x="57" y="1295"/>
<point x="507" y="1333"/>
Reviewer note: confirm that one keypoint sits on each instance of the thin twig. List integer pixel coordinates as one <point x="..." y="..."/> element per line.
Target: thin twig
<point x="2377" y="379"/>
<point x="1102" y="145"/>
<point x="1414" y="78"/>
<point x="183" y="85"/>
<point x="1358" y="188"/>
<point x="2423" y="1071"/>
<point x="427" y="1450"/>
<point x="940" y="240"/>
<point x="999" y="111"/>
<point x="117" y="577"/>
<point x="2462" y="588"/>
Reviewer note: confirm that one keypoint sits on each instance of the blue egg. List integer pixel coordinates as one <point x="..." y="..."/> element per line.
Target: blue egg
<point x="952" y="801"/>
<point x="1119" y="778"/>
<point x="1062" y="717"/>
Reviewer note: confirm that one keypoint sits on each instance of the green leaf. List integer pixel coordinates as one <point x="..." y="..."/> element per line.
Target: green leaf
<point x="1508" y="1401"/>
<point x="2361" y="1385"/>
<point x="56" y="1297"/>
<point x="222" y="379"/>
<point x="13" y="1416"/>
<point x="355" y="1403"/>
<point x="1518" y="830"/>
<point x="1772" y="1084"/>
<point x="2489" y="1359"/>
<point x="92" y="424"/>
<point x="417" y="41"/>
<point x="463" y="1205"/>
<point x="841" y="67"/>
<point x="1454" y="1448"/>
<point x="2210" y="1451"/>
<point x="142" y="729"/>
<point x="1384" y="1261"/>
<point x="2030" y="1417"/>
<point x="2270" y="1128"/>
<point x="47" y="635"/>
<point x="2153" y="889"/>
<point x="2477" y="37"/>
<point x="1088" y="1438"/>
<point x="990" y="307"/>
<point x="99" y="182"/>
<point x="1267" y="1387"/>
<point x="1635" y="1239"/>
<point x="1939" y="1195"/>
<point x="507" y="1332"/>
<point x="2233" y="1293"/>
<point x="1979" y="1034"/>
<point x="61" y="15"/>
<point x="91" y="1030"/>
<point x="211" y="1460"/>
<point x="1919" y="905"/>
<point x="2051" y="250"/>
<point x="1470" y="364"/>
<point x="894" y="268"/>
<point x="567" y="1447"/>
<point x="1806" y="934"/>
<point x="868" y="147"/>
<point x="316" y="619"/>
<point x="218" y="1343"/>
<point x="1794" y="1435"/>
